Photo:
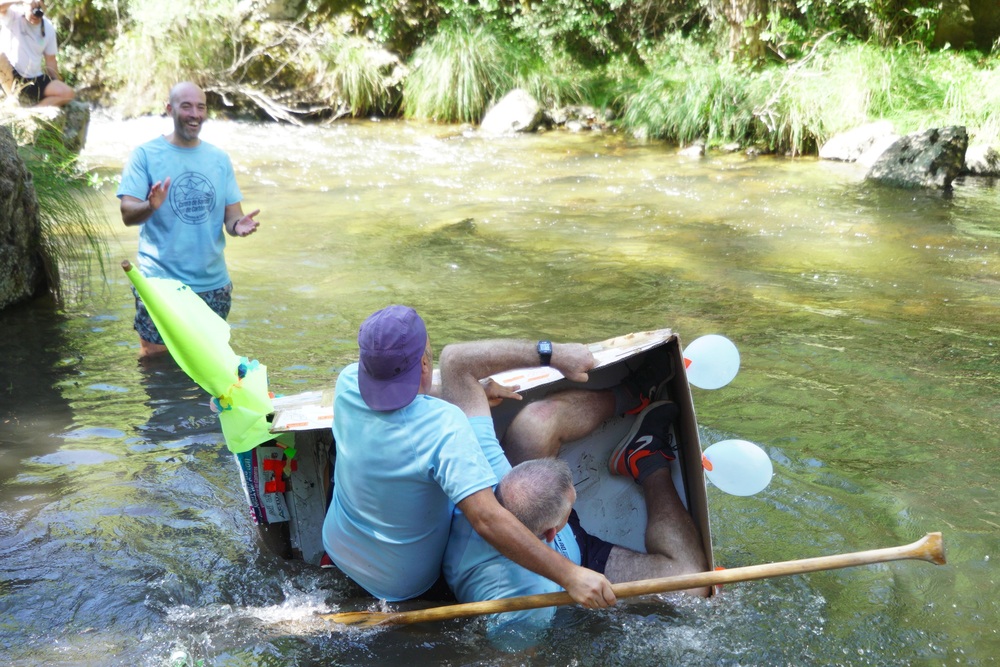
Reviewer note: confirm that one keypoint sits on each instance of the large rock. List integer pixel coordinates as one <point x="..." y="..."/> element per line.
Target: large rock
<point x="982" y="160"/>
<point x="967" y="24"/>
<point x="67" y="125"/>
<point x="518" y="111"/>
<point x="932" y="158"/>
<point x="874" y="152"/>
<point x="22" y="273"/>
<point x="956" y="26"/>
<point x="851" y="145"/>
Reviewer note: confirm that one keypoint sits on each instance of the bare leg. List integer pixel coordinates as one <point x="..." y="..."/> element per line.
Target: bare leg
<point x="672" y="540"/>
<point x="6" y="75"/>
<point x="57" y="94"/>
<point x="541" y="428"/>
<point x="147" y="349"/>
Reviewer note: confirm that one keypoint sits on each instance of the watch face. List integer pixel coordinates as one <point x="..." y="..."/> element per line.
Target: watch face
<point x="544" y="352"/>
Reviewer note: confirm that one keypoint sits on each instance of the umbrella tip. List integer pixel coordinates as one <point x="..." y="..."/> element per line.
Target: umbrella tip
<point x="126" y="265"/>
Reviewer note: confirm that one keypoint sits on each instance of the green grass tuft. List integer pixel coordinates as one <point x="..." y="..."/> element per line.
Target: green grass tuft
<point x="794" y="107"/>
<point x="74" y="230"/>
<point x="366" y="78"/>
<point x="458" y="72"/>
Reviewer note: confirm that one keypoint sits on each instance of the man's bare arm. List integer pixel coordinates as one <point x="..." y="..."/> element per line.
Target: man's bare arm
<point x="464" y="364"/>
<point x="509" y="536"/>
<point x="136" y="211"/>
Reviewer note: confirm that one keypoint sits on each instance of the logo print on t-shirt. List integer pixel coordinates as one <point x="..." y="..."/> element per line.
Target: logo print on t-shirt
<point x="192" y="197"/>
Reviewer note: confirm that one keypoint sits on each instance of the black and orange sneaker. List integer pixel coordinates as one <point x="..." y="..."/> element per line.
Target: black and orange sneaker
<point x="648" y="445"/>
<point x="647" y="383"/>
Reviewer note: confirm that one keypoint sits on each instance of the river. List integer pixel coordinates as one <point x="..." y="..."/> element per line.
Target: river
<point x="866" y="319"/>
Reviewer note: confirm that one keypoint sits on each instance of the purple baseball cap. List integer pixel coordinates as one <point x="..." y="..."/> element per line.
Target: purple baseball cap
<point x="392" y="342"/>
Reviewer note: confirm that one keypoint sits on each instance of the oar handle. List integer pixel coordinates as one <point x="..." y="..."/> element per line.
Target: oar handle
<point x="929" y="548"/>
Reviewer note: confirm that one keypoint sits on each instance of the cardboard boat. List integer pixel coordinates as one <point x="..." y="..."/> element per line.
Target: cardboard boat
<point x="288" y="490"/>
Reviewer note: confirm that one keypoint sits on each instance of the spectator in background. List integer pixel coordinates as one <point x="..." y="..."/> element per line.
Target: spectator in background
<point x="28" y="44"/>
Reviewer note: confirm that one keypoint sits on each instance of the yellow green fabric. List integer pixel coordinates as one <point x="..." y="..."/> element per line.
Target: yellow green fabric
<point x="198" y="340"/>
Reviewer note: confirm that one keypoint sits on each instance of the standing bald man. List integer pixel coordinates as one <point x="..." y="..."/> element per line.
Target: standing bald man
<point x="183" y="193"/>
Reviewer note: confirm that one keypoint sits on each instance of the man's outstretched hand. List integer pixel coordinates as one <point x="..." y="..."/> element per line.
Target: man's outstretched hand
<point x="246" y="225"/>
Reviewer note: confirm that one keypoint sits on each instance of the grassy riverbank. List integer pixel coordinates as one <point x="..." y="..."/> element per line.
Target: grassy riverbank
<point x="661" y="70"/>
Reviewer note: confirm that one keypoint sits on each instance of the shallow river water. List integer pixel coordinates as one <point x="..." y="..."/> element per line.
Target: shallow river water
<point x="867" y="320"/>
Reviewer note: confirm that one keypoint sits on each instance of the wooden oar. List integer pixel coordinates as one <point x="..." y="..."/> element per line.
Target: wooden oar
<point x="929" y="548"/>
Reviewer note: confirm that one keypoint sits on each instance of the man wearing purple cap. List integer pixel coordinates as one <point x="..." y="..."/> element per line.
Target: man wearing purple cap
<point x="405" y="459"/>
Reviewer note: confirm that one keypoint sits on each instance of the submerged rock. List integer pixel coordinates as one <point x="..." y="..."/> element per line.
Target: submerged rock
<point x="932" y="158"/>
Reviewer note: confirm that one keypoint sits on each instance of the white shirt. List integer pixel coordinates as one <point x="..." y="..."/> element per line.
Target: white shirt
<point x="23" y="43"/>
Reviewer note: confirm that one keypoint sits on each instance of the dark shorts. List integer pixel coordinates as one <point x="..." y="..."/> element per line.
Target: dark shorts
<point x="219" y="300"/>
<point x="33" y="90"/>
<point x="594" y="551"/>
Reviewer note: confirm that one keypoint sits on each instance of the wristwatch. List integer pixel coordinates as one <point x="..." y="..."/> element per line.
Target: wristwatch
<point x="545" y="352"/>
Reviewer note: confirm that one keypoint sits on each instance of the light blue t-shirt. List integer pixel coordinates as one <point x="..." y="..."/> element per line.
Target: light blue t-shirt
<point x="476" y="571"/>
<point x="185" y="238"/>
<point x="397" y="477"/>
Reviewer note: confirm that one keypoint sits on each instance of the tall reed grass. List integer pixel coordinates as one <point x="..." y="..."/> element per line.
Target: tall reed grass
<point x="74" y="229"/>
<point x="367" y="79"/>
<point x="690" y="93"/>
<point x="183" y="41"/>
<point x="458" y="72"/>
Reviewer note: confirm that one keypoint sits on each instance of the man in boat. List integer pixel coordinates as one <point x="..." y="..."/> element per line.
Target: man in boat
<point x="405" y="459"/>
<point x="183" y="193"/>
<point x="540" y="493"/>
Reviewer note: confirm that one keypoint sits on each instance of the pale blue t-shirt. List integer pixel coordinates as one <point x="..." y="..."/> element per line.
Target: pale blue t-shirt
<point x="476" y="571"/>
<point x="185" y="238"/>
<point x="397" y="477"/>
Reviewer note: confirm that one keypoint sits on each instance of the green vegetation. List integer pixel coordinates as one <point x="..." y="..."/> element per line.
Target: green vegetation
<point x="458" y="72"/>
<point x="74" y="243"/>
<point x="688" y="94"/>
<point x="779" y="75"/>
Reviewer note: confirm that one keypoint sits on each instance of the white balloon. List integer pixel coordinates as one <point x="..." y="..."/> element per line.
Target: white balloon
<point x="712" y="361"/>
<point x="738" y="467"/>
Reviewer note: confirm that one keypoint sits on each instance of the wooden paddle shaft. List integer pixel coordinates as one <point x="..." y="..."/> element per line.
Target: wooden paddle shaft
<point x="929" y="548"/>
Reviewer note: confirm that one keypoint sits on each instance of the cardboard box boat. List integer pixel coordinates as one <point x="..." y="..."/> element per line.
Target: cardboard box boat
<point x="288" y="495"/>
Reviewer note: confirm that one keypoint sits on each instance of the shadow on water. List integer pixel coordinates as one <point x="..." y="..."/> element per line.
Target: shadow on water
<point x="36" y="358"/>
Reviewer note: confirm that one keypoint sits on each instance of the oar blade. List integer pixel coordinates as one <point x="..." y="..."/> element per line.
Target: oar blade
<point x="931" y="549"/>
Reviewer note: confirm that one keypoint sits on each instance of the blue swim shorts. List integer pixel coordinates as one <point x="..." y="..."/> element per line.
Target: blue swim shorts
<point x="219" y="300"/>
